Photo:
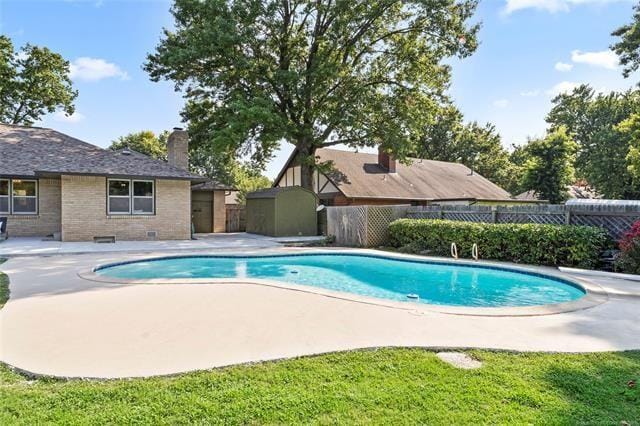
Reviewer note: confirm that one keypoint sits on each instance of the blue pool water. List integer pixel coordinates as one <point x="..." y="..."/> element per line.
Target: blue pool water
<point x="380" y="277"/>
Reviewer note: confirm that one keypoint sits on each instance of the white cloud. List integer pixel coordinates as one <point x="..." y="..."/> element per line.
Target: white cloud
<point x="551" y="6"/>
<point x="603" y="59"/>
<point x="562" y="67"/>
<point x="530" y="93"/>
<point x="61" y="117"/>
<point x="93" y="69"/>
<point x="500" y="103"/>
<point x="562" y="87"/>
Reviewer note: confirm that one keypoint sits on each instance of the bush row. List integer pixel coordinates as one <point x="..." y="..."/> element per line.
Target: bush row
<point x="530" y="243"/>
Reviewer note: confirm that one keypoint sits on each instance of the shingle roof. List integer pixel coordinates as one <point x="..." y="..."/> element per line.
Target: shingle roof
<point x="358" y="175"/>
<point x="212" y="185"/>
<point x="37" y="151"/>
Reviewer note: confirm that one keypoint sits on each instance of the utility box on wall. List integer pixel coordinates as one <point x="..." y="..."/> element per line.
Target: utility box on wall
<point x="282" y="212"/>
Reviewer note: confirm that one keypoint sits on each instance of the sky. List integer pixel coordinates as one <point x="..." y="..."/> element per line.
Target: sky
<point x="529" y="51"/>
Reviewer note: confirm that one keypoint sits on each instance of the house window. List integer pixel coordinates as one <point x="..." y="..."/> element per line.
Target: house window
<point x="130" y="196"/>
<point x="4" y="196"/>
<point x="143" y="197"/>
<point x="24" y="196"/>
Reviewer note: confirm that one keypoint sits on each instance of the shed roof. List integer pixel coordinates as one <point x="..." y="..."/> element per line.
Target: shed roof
<point x="273" y="192"/>
<point x="358" y="175"/>
<point x="38" y="151"/>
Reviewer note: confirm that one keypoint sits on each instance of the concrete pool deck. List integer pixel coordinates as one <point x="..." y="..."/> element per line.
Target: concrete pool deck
<point x="59" y="324"/>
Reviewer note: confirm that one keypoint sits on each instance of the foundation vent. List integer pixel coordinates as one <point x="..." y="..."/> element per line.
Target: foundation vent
<point x="105" y="239"/>
<point x="152" y="235"/>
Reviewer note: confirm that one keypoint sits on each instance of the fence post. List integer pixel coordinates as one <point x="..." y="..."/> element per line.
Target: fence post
<point x="441" y="212"/>
<point x="494" y="214"/>
<point x="567" y="215"/>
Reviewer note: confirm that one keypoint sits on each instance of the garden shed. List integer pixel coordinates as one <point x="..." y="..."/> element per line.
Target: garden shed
<point x="282" y="212"/>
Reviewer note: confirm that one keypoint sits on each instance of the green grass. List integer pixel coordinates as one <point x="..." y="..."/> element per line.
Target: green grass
<point x="4" y="286"/>
<point x="390" y="386"/>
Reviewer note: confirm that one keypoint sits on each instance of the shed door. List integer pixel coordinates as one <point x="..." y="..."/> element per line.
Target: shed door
<point x="202" y="212"/>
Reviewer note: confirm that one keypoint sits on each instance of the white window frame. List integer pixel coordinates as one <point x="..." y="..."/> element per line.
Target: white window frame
<point x="152" y="197"/>
<point x="131" y="197"/>
<point x="109" y="197"/>
<point x="8" y="197"/>
<point x="13" y="197"/>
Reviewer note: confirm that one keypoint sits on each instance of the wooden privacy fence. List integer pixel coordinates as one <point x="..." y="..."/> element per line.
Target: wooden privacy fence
<point x="235" y="219"/>
<point x="616" y="219"/>
<point x="362" y="226"/>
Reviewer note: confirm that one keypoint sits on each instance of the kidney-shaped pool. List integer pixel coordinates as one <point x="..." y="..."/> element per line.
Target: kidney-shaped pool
<point x="421" y="281"/>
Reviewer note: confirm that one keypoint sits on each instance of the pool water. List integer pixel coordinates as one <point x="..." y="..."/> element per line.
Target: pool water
<point x="374" y="276"/>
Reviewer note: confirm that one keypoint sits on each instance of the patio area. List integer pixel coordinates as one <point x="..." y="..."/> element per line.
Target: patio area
<point x="59" y="324"/>
<point x="33" y="246"/>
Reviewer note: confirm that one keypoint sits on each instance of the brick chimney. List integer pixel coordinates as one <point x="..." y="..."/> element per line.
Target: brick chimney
<point x="386" y="161"/>
<point x="178" y="149"/>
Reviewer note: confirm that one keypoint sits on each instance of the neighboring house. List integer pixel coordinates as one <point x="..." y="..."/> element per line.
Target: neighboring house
<point x="361" y="178"/>
<point x="580" y="191"/>
<point x="52" y="184"/>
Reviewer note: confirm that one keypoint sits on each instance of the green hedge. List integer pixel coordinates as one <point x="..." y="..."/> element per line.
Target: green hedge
<point x="514" y="242"/>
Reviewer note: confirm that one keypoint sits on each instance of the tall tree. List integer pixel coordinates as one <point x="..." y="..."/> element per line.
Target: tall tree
<point x="479" y="147"/>
<point x="33" y="82"/>
<point x="628" y="47"/>
<point x="144" y="142"/>
<point x="549" y="169"/>
<point x="592" y="121"/>
<point x="314" y="73"/>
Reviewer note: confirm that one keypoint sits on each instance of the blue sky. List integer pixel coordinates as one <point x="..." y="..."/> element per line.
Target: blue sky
<point x="530" y="49"/>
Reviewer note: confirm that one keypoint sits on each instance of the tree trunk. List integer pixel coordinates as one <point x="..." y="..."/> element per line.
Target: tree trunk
<point x="307" y="161"/>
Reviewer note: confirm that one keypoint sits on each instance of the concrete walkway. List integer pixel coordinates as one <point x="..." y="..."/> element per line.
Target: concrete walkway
<point x="59" y="324"/>
<point x="29" y="246"/>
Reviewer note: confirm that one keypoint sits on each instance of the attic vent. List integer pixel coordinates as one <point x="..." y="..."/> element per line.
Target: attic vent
<point x="152" y="234"/>
<point x="126" y="151"/>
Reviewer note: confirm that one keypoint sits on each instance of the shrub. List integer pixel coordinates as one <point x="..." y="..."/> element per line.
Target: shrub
<point x="629" y="259"/>
<point x="523" y="243"/>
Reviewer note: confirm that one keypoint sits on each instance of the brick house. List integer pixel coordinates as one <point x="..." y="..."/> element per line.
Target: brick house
<point x="361" y="178"/>
<point x="52" y="184"/>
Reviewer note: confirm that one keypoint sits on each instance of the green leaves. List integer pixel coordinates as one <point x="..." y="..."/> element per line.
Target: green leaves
<point x="549" y="168"/>
<point x="144" y="142"/>
<point x="594" y="122"/>
<point x="529" y="243"/>
<point x="32" y="83"/>
<point x="312" y="73"/>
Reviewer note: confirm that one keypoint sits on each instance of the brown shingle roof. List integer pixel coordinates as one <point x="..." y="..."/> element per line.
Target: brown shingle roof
<point x="212" y="185"/>
<point x="37" y="151"/>
<point x="358" y="175"/>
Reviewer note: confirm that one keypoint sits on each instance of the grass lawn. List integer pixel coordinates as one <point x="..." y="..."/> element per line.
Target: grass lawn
<point x="4" y="286"/>
<point x="392" y="386"/>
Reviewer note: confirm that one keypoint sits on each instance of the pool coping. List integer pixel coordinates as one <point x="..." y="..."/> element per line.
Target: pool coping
<point x="594" y="293"/>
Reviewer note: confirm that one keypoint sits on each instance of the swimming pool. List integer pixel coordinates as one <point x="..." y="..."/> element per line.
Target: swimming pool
<point x="421" y="281"/>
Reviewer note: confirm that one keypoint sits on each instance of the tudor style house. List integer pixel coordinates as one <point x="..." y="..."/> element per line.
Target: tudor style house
<point x="361" y="178"/>
<point x="55" y="185"/>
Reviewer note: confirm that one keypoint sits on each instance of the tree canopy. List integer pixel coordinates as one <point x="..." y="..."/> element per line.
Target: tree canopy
<point x="549" y="168"/>
<point x="312" y="73"/>
<point x="628" y="47"/>
<point x="592" y="119"/>
<point x="144" y="142"/>
<point x="33" y="82"/>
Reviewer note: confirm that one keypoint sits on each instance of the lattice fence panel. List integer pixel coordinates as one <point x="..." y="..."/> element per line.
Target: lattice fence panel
<point x="379" y="218"/>
<point x="521" y="217"/>
<point x="467" y="216"/>
<point x="423" y="215"/>
<point x="616" y="226"/>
